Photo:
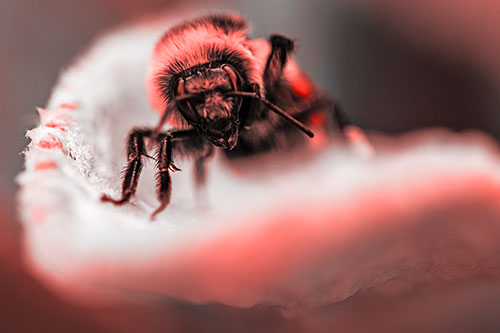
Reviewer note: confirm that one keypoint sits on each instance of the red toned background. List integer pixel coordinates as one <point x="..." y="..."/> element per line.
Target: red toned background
<point x="393" y="65"/>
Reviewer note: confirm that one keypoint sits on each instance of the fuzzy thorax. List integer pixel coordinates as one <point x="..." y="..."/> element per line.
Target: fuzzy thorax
<point x="209" y="39"/>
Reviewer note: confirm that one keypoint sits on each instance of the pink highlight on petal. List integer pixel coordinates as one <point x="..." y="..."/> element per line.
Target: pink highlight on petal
<point x="45" y="165"/>
<point x="58" y="123"/>
<point x="68" y="105"/>
<point x="57" y="126"/>
<point x="50" y="142"/>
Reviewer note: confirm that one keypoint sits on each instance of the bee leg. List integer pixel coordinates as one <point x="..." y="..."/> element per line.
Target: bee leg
<point x="136" y="150"/>
<point x="164" y="164"/>
<point x="199" y="167"/>
<point x="339" y="118"/>
<point x="281" y="47"/>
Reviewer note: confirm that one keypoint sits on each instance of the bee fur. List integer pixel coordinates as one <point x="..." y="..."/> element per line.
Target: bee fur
<point x="218" y="88"/>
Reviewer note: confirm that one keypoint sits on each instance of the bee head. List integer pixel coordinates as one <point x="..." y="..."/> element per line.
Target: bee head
<point x="204" y="104"/>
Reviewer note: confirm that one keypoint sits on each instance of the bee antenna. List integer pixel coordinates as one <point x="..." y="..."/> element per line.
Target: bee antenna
<point x="274" y="108"/>
<point x="187" y="96"/>
<point x="163" y="119"/>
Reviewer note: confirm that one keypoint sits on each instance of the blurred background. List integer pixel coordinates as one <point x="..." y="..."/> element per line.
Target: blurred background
<point x="393" y="65"/>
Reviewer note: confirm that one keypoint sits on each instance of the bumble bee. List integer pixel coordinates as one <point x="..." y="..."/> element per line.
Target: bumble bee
<point x="218" y="88"/>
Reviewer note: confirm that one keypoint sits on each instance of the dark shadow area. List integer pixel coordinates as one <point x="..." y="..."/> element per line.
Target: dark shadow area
<point x="388" y="85"/>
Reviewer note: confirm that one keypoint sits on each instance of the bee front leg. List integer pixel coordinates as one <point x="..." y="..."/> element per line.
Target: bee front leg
<point x="339" y="118"/>
<point x="136" y="150"/>
<point x="164" y="164"/>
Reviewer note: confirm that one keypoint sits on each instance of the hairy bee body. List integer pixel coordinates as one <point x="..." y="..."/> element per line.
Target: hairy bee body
<point x="218" y="88"/>
<point x="219" y="39"/>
